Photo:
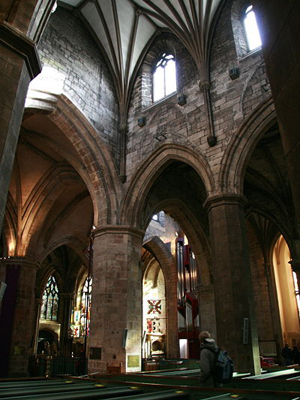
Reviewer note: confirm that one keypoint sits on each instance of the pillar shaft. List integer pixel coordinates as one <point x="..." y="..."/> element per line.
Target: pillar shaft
<point x="236" y="326"/>
<point x="19" y="63"/>
<point x="116" y="312"/>
<point x="16" y="319"/>
<point x="206" y="304"/>
<point x="66" y="303"/>
<point x="172" y="315"/>
<point x="279" y="28"/>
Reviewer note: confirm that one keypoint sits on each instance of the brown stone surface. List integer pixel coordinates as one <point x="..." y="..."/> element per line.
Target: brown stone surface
<point x="116" y="296"/>
<point x="23" y="324"/>
<point x="280" y="29"/>
<point x="232" y="282"/>
<point x="65" y="180"/>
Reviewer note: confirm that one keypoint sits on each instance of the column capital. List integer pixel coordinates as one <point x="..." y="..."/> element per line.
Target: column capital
<point x="217" y="200"/>
<point x="21" y="45"/>
<point x="118" y="230"/>
<point x="204" y="84"/>
<point x="21" y="261"/>
<point x="123" y="129"/>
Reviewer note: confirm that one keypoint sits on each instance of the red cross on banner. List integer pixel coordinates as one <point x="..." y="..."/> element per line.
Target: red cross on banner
<point x="154" y="306"/>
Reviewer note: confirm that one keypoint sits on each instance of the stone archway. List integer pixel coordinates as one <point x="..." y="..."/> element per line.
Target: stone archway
<point x="166" y="261"/>
<point x="148" y="172"/>
<point x="156" y="188"/>
<point x="92" y="159"/>
<point x="241" y="146"/>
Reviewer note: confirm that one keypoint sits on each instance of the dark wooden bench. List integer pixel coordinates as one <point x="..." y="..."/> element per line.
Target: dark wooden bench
<point x="161" y="395"/>
<point x="105" y="393"/>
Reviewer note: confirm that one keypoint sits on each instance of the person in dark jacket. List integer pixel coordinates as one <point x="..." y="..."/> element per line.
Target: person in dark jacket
<point x="287" y="355"/>
<point x="208" y="349"/>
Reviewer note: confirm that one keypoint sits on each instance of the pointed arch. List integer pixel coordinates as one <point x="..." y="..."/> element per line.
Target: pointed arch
<point x="75" y="242"/>
<point x="241" y="146"/>
<point x="94" y="162"/>
<point x="163" y="256"/>
<point x="165" y="259"/>
<point x="50" y="300"/>
<point x="43" y="279"/>
<point x="150" y="169"/>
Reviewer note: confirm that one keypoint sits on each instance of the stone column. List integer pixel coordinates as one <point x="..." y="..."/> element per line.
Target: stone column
<point x="36" y="321"/>
<point x="206" y="304"/>
<point x="172" y="345"/>
<point x="65" y="306"/>
<point x="274" y="307"/>
<point x="16" y="320"/>
<point x="279" y="28"/>
<point x="235" y="320"/>
<point x="116" y="311"/>
<point x="19" y="63"/>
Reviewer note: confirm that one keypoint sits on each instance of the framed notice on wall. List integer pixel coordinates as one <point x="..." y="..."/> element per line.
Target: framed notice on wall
<point x="95" y="353"/>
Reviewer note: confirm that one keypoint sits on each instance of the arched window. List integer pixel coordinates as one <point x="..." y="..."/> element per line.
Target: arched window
<point x="85" y="307"/>
<point x="251" y="29"/>
<point x="50" y="300"/>
<point x="81" y="314"/>
<point x="164" y="77"/>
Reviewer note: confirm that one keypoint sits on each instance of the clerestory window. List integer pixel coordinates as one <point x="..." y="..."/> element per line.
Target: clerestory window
<point x="164" y="77"/>
<point x="50" y="300"/>
<point x="251" y="29"/>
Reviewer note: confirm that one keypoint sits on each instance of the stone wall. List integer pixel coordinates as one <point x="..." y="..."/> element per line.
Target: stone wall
<point x="259" y="273"/>
<point x="73" y="54"/>
<point x="165" y="120"/>
<point x="232" y="100"/>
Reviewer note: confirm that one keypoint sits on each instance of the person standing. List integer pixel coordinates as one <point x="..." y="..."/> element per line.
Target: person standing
<point x="208" y="350"/>
<point x="287" y="354"/>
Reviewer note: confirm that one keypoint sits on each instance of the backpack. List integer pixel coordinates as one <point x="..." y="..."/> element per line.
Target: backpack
<point x="223" y="367"/>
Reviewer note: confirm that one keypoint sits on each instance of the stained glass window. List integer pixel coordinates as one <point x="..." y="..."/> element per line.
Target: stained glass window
<point x="251" y="29"/>
<point x="164" y="77"/>
<point x="50" y="300"/>
<point x="85" y="309"/>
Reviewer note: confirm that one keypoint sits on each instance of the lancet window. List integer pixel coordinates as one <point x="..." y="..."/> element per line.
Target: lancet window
<point x="164" y="77"/>
<point x="50" y="300"/>
<point x="251" y="29"/>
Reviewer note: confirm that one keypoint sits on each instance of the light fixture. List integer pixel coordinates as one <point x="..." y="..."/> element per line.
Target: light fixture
<point x="181" y="99"/>
<point x="141" y="121"/>
<point x="234" y="73"/>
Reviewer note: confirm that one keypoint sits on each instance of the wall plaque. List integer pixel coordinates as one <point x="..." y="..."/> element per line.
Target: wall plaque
<point x="95" y="353"/>
<point x="133" y="361"/>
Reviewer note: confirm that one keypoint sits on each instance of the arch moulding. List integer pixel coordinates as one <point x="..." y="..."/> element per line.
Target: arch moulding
<point x="99" y="171"/>
<point x="150" y="169"/>
<point x="241" y="146"/>
<point x="167" y="263"/>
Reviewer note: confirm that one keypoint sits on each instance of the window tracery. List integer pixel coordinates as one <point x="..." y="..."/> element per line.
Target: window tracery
<point x="50" y="300"/>
<point x="81" y="314"/>
<point x="164" y="77"/>
<point x="85" y="310"/>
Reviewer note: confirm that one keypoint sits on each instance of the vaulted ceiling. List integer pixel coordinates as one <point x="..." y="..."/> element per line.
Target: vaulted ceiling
<point x="124" y="30"/>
